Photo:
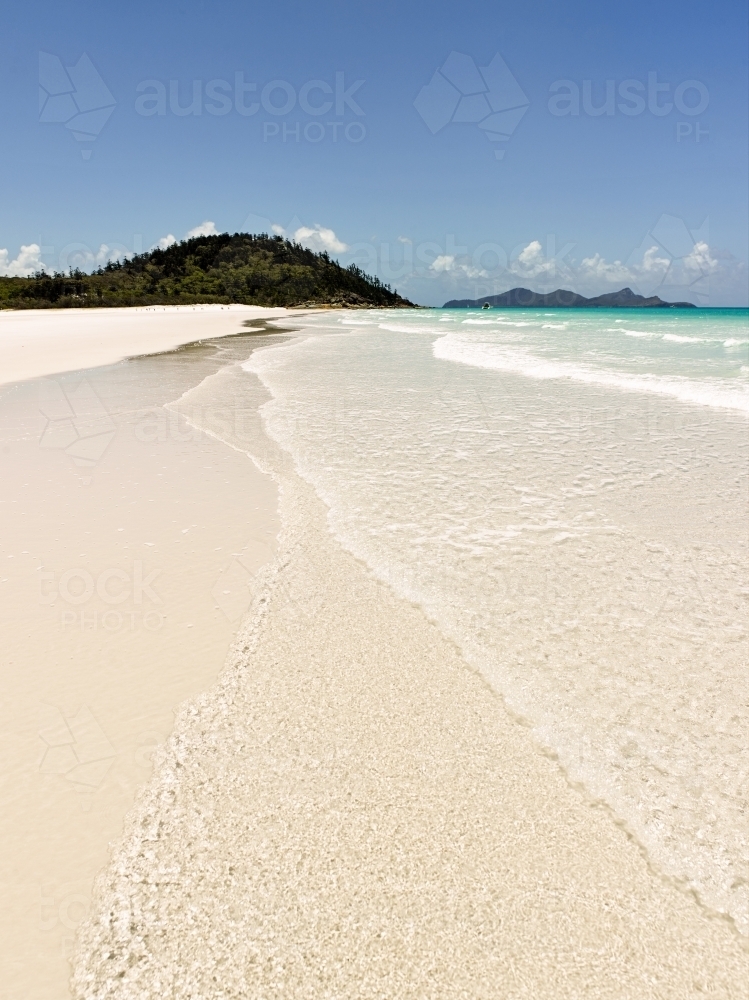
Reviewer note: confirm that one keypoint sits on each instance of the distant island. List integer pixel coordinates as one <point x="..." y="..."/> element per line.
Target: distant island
<point x="240" y="268"/>
<point x="524" y="298"/>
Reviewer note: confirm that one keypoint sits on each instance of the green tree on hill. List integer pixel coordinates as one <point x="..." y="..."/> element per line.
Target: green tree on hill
<point x="240" y="268"/>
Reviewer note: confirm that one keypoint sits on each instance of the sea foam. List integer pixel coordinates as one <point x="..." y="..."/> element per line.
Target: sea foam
<point x="500" y="358"/>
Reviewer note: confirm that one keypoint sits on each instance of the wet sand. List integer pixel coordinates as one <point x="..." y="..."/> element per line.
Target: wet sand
<point x="129" y="548"/>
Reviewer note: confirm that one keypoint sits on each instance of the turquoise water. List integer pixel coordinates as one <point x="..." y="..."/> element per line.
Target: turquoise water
<point x="564" y="492"/>
<point x="700" y="355"/>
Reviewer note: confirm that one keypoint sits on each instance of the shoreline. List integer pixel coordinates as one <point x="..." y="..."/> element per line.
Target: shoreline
<point x="127" y="562"/>
<point x="342" y="804"/>
<point x="339" y="814"/>
<point x="67" y="340"/>
<point x="32" y="344"/>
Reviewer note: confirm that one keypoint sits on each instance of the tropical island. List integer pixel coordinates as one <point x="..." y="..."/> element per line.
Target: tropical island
<point x="524" y="298"/>
<point x="241" y="268"/>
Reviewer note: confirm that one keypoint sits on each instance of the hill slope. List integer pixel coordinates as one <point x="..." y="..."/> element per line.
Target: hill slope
<point x="524" y="298"/>
<point x="253" y="270"/>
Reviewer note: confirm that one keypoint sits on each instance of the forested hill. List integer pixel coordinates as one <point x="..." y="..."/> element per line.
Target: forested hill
<point x="254" y="270"/>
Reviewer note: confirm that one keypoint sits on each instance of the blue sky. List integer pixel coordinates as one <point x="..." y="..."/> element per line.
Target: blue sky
<point x="536" y="188"/>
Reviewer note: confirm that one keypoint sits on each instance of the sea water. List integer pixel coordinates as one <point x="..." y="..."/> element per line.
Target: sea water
<point x="564" y="492"/>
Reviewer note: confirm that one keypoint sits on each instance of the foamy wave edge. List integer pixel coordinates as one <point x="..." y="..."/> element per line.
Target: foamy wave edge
<point x="451" y="348"/>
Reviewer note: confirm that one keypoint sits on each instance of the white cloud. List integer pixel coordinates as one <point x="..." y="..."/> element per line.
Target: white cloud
<point x="75" y="255"/>
<point x="404" y="239"/>
<point x="206" y="228"/>
<point x="474" y="272"/>
<point x="78" y="256"/>
<point x="703" y="275"/>
<point x="26" y="263"/>
<point x="532" y="255"/>
<point x="651" y="262"/>
<point x="650" y="271"/>
<point x="616" y="272"/>
<point x="318" y="238"/>
<point x="532" y="262"/>
<point x="445" y="262"/>
<point x="105" y="253"/>
<point x="701" y="259"/>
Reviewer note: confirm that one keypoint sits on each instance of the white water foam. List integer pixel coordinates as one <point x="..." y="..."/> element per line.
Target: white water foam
<point x="500" y="358"/>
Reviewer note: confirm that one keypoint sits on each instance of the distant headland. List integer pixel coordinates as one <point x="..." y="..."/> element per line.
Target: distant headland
<point x="240" y="268"/>
<point x="524" y="298"/>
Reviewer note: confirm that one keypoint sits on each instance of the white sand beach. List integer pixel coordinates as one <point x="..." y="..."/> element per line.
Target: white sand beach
<point x="129" y="540"/>
<point x="343" y="806"/>
<point x="37" y="342"/>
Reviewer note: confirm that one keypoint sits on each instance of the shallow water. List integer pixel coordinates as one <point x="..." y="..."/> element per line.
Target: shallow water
<point x="564" y="493"/>
<point x="349" y="810"/>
